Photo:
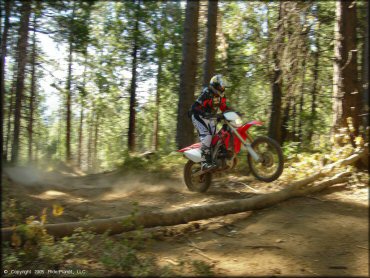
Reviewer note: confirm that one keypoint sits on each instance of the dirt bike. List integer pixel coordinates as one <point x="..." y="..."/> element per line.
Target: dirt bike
<point x="265" y="157"/>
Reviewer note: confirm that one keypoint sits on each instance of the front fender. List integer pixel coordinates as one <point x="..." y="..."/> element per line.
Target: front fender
<point x="243" y="133"/>
<point x="243" y="129"/>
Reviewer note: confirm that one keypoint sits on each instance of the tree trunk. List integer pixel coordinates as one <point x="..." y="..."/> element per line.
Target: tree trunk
<point x="90" y="140"/>
<point x="80" y="129"/>
<point x="347" y="101"/>
<point x="209" y="65"/>
<point x="68" y="105"/>
<point x="301" y="102"/>
<point x="69" y="92"/>
<point x="185" y="130"/>
<point x="80" y="137"/>
<point x="284" y="121"/>
<point x="276" y="88"/>
<point x="132" y="118"/>
<point x="4" y="39"/>
<point x="315" y="78"/>
<point x="187" y="214"/>
<point x="365" y="72"/>
<point x="60" y="129"/>
<point x="9" y="120"/>
<point x="157" y="102"/>
<point x="96" y="140"/>
<point x="21" y="66"/>
<point x="33" y="93"/>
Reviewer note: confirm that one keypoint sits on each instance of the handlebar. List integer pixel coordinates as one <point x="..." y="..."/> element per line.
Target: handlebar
<point x="215" y="116"/>
<point x="219" y="116"/>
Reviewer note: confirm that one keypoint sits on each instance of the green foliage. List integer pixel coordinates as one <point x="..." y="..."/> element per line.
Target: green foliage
<point x="32" y="248"/>
<point x="102" y="33"/>
<point x="201" y="268"/>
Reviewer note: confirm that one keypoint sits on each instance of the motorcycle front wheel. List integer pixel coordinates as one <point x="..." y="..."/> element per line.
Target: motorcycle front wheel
<point x="271" y="163"/>
<point x="198" y="184"/>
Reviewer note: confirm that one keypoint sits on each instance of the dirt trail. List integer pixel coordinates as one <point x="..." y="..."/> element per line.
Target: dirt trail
<point x="321" y="235"/>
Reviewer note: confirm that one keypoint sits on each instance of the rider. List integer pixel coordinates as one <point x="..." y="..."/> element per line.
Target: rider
<point x="210" y="100"/>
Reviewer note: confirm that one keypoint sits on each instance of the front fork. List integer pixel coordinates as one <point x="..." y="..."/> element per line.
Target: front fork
<point x="244" y="142"/>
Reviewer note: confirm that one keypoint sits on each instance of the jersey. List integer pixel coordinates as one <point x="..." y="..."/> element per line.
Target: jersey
<point x="209" y="102"/>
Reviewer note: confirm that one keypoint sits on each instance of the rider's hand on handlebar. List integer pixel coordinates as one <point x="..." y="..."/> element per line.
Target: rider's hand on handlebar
<point x="219" y="117"/>
<point x="207" y="115"/>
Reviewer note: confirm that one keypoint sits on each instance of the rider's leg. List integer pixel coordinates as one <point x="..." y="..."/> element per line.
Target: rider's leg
<point x="206" y="129"/>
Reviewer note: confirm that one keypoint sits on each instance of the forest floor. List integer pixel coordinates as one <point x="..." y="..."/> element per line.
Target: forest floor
<point x="324" y="235"/>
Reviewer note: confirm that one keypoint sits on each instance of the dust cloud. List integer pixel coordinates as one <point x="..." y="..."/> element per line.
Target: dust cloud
<point x="24" y="175"/>
<point x="144" y="184"/>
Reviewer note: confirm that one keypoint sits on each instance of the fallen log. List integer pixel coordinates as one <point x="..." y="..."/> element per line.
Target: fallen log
<point x="116" y="225"/>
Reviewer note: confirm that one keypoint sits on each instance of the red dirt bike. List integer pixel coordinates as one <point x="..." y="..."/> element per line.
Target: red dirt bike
<point x="265" y="158"/>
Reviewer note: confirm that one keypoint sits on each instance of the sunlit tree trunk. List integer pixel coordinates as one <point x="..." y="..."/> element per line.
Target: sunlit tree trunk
<point x="60" y="130"/>
<point x="301" y="99"/>
<point x="21" y="66"/>
<point x="209" y="65"/>
<point x="185" y="130"/>
<point x="90" y="140"/>
<point x="134" y="53"/>
<point x="314" y="91"/>
<point x="33" y="93"/>
<point x="284" y="132"/>
<point x="96" y="141"/>
<point x="347" y="100"/>
<point x="69" y="91"/>
<point x="157" y="102"/>
<point x="80" y="137"/>
<point x="275" y="117"/>
<point x="293" y="133"/>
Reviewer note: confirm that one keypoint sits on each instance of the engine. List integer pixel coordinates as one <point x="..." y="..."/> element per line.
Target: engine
<point x="225" y="159"/>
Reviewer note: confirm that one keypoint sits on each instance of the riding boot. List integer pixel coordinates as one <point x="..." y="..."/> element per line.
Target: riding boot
<point x="207" y="163"/>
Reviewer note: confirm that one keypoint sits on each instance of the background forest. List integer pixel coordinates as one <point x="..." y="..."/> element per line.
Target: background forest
<point x="124" y="83"/>
<point x="94" y="102"/>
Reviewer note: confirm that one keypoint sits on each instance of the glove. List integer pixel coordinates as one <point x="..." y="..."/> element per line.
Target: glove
<point x="220" y="117"/>
<point x="206" y="115"/>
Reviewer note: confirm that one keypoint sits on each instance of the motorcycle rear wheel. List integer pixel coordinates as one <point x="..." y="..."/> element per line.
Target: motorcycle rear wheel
<point x="196" y="184"/>
<point x="272" y="161"/>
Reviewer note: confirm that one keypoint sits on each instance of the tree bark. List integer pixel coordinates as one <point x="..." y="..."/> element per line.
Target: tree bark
<point x="132" y="117"/>
<point x="365" y="74"/>
<point x="69" y="91"/>
<point x="4" y="39"/>
<point x="33" y="93"/>
<point x="301" y="102"/>
<point x="347" y="100"/>
<point x="82" y="103"/>
<point x="184" y="215"/>
<point x="185" y="130"/>
<point x="90" y="139"/>
<point x="96" y="140"/>
<point x="21" y="66"/>
<point x="276" y="88"/>
<point x="315" y="77"/>
<point x="9" y="120"/>
<point x="157" y="102"/>
<point x="80" y="137"/>
<point x="284" y="121"/>
<point x="209" y="65"/>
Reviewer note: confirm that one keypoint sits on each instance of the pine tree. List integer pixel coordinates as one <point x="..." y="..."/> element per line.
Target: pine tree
<point x="185" y="132"/>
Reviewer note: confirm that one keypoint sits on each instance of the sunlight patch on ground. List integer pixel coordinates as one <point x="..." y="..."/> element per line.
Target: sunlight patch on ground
<point x="52" y="195"/>
<point x="115" y="195"/>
